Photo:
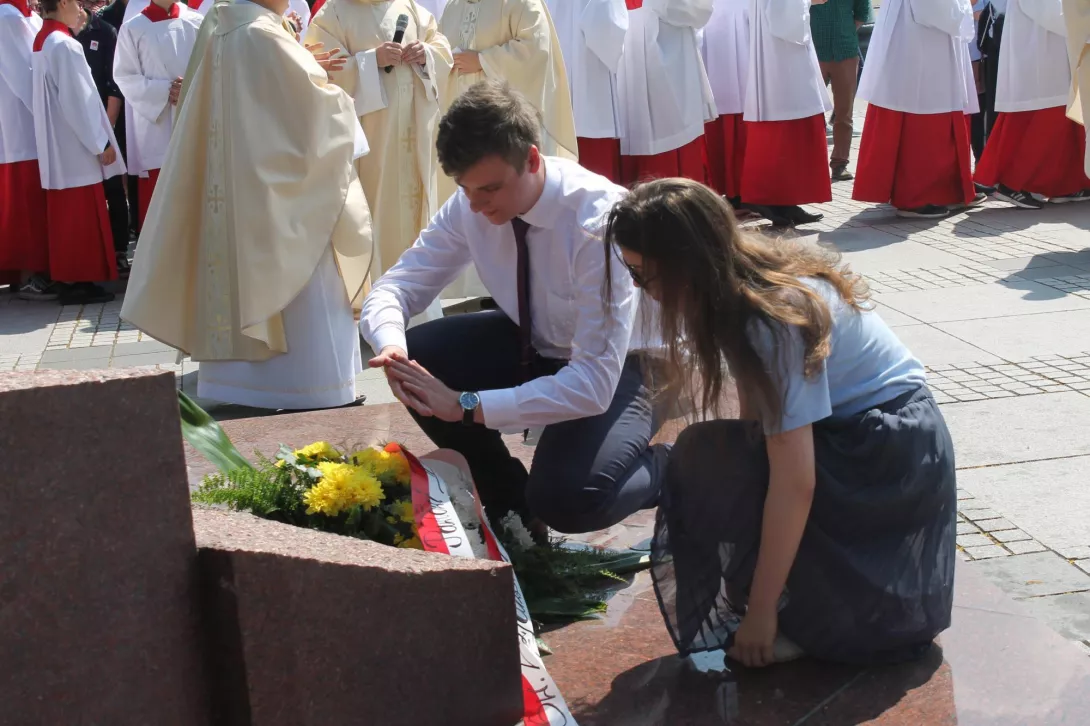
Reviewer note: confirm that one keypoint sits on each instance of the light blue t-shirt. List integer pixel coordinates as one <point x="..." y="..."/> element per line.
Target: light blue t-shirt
<point x="867" y="365"/>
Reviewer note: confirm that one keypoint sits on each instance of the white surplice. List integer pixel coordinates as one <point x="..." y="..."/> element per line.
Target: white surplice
<point x="1034" y="72"/>
<point x="16" y="85"/>
<point x="918" y="59"/>
<point x="783" y="81"/>
<point x="725" y="46"/>
<point x="148" y="57"/>
<point x="71" y="128"/>
<point x="661" y="68"/>
<point x="591" y="34"/>
<point x="323" y="359"/>
<point x="303" y="10"/>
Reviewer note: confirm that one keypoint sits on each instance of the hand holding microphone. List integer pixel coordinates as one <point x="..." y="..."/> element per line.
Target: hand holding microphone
<point x="393" y="56"/>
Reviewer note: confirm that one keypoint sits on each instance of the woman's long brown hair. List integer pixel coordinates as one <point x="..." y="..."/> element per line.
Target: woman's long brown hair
<point x="717" y="281"/>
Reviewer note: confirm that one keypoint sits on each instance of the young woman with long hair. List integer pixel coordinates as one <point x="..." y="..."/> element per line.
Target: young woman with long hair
<point x="823" y="521"/>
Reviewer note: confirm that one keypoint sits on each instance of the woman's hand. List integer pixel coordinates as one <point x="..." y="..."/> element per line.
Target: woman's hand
<point x="753" y="641"/>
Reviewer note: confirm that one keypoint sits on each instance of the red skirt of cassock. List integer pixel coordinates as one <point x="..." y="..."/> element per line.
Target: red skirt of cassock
<point x="145" y="188"/>
<point x="689" y="161"/>
<point x="602" y="156"/>
<point x="1035" y="151"/>
<point x="911" y="160"/>
<point x="81" y="246"/>
<point x="24" y="241"/>
<point x="726" y="139"/>
<point x="787" y="162"/>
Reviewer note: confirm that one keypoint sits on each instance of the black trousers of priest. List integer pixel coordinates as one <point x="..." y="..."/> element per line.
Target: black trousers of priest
<point x="587" y="473"/>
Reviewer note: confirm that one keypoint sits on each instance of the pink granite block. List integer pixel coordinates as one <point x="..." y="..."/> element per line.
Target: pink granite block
<point x="313" y="629"/>
<point x="98" y="623"/>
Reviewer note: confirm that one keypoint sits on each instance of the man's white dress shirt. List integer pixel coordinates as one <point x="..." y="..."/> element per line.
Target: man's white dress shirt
<point x="570" y="318"/>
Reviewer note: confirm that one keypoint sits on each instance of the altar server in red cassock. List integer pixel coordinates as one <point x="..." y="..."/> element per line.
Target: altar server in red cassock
<point x="591" y="35"/>
<point x="726" y="56"/>
<point x="76" y="151"/>
<point x="787" y="154"/>
<point x="152" y="53"/>
<point x="665" y="96"/>
<point x="23" y="247"/>
<point x="918" y="80"/>
<point x="1035" y="150"/>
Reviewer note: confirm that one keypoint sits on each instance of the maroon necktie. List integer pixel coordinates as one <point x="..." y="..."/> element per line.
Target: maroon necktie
<point x="521" y="227"/>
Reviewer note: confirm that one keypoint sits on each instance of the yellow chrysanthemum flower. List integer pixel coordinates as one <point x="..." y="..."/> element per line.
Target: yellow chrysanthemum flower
<point x="398" y="539"/>
<point x="403" y="510"/>
<point x="412" y="544"/>
<point x="384" y="462"/>
<point x="320" y="450"/>
<point x="342" y="487"/>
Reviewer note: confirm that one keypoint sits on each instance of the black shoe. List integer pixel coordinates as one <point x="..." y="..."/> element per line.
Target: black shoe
<point x="978" y="199"/>
<point x="772" y="214"/>
<point x="797" y="215"/>
<point x="1081" y="196"/>
<point x="930" y="211"/>
<point x="85" y="293"/>
<point x="123" y="266"/>
<point x="840" y="173"/>
<point x="984" y="189"/>
<point x="1024" y="200"/>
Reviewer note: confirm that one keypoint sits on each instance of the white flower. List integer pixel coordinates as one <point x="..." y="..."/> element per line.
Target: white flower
<point x="514" y="526"/>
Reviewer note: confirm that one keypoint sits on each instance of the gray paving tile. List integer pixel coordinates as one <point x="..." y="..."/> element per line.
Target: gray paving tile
<point x="894" y="318"/>
<point x="1068" y="614"/>
<point x="1024" y="547"/>
<point x="1037" y="574"/>
<point x="1010" y="430"/>
<point x="75" y="354"/>
<point x="151" y="346"/>
<point x="986" y="552"/>
<point x="983" y="301"/>
<point x="1008" y="536"/>
<point x="933" y="346"/>
<point x="1020" y="337"/>
<point x="901" y="255"/>
<point x="1020" y="264"/>
<point x="1049" y="500"/>
<point x="157" y="358"/>
<point x="82" y="364"/>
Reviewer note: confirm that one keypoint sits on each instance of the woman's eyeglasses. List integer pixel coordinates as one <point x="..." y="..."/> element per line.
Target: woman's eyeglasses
<point x="637" y="276"/>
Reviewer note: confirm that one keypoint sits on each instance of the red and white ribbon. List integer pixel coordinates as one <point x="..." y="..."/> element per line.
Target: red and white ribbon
<point x="440" y="530"/>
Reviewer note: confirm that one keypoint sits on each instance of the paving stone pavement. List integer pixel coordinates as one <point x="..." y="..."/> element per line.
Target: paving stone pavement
<point x="995" y="301"/>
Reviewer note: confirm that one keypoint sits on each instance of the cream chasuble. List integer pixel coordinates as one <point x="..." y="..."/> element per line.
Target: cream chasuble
<point x="1077" y="22"/>
<point x="399" y="112"/>
<point x="517" y="43"/>
<point x="257" y="189"/>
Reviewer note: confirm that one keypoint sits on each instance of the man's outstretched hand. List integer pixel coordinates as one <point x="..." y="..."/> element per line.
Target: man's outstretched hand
<point x="415" y="387"/>
<point x="325" y="58"/>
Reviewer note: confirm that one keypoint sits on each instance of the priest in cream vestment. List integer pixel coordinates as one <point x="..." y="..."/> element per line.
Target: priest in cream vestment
<point x="1077" y="19"/>
<point x="513" y="41"/>
<point x="257" y="245"/>
<point x="399" y="111"/>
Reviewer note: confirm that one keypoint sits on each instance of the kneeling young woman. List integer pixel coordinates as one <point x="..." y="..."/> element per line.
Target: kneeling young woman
<point x="823" y="521"/>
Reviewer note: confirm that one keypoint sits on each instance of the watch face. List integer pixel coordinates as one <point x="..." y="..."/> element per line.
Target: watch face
<point x="469" y="401"/>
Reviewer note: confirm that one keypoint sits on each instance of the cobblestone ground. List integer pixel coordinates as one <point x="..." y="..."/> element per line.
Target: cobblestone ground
<point x="995" y="301"/>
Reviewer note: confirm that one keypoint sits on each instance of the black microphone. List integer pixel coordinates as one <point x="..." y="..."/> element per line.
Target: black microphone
<point x="399" y="33"/>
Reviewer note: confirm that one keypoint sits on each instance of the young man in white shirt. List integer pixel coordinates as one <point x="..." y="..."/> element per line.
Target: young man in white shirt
<point x="1035" y="151"/>
<point x="153" y="50"/>
<point x="532" y="225"/>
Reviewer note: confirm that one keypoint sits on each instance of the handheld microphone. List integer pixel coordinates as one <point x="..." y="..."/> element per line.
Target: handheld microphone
<point x="399" y="33"/>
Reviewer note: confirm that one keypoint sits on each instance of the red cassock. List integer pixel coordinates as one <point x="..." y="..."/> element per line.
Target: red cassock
<point x="602" y="156"/>
<point x="726" y="141"/>
<point x="81" y="245"/>
<point x="786" y="162"/>
<point x="1035" y="151"/>
<point x="146" y="187"/>
<point x="690" y="161"/>
<point x="24" y="240"/>
<point x="912" y="160"/>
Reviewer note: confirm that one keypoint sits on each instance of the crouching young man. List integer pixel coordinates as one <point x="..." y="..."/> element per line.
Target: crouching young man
<point x="552" y="354"/>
